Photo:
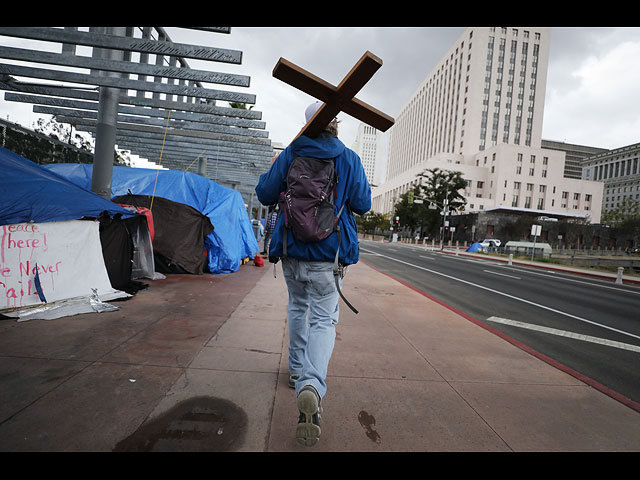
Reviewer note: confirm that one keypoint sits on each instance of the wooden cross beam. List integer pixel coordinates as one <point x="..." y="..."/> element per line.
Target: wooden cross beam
<point x="336" y="99"/>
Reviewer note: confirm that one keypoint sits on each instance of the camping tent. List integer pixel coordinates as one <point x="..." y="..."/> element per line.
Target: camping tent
<point x="232" y="238"/>
<point x="474" y="247"/>
<point x="179" y="233"/>
<point x="47" y="253"/>
<point x="30" y="193"/>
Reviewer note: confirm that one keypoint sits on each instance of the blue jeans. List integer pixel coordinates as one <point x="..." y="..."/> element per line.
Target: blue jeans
<point x="313" y="314"/>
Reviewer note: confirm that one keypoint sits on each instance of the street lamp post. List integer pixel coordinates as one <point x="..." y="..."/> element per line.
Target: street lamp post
<point x="445" y="212"/>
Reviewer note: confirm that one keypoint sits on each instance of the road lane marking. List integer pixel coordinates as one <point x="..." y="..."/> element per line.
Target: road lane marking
<point x="513" y="297"/>
<point x="564" y="333"/>
<point x="546" y="274"/>
<point x="481" y="262"/>
<point x="502" y="274"/>
<point x="428" y="258"/>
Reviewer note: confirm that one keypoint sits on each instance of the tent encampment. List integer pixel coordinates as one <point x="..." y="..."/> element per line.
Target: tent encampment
<point x="232" y="238"/>
<point x="50" y="246"/>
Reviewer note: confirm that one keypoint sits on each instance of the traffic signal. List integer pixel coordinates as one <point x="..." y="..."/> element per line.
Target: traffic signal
<point x="396" y="224"/>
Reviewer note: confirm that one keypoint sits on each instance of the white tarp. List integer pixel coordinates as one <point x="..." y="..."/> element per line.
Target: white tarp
<point x="66" y="258"/>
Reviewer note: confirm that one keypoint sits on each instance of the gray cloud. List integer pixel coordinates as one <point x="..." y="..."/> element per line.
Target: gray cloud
<point x="572" y="113"/>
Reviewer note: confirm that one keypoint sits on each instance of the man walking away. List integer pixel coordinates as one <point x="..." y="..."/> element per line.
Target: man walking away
<point x="308" y="267"/>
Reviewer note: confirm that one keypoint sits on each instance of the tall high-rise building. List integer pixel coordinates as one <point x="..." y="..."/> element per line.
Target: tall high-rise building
<point x="368" y="146"/>
<point x="480" y="111"/>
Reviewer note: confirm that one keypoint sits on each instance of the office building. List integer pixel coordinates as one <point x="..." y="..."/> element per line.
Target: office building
<point x="574" y="155"/>
<point x="619" y="172"/>
<point x="479" y="112"/>
<point x="369" y="148"/>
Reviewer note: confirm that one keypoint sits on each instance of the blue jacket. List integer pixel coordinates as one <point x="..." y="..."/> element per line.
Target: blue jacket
<point x="352" y="189"/>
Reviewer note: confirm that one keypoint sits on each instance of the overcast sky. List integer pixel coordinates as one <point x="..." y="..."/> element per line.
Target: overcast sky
<point x="593" y="87"/>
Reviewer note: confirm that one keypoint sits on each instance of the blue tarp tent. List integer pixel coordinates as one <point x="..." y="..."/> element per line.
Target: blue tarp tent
<point x="56" y="262"/>
<point x="232" y="238"/>
<point x="29" y="192"/>
<point x="474" y="247"/>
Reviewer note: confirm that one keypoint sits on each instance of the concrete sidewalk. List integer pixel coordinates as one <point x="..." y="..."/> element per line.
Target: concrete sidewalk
<point x="199" y="363"/>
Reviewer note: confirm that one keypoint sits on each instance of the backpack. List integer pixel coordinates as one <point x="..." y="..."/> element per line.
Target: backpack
<point x="308" y="205"/>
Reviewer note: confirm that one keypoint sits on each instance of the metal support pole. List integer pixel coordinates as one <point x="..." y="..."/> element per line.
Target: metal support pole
<point x="202" y="166"/>
<point x="106" y="127"/>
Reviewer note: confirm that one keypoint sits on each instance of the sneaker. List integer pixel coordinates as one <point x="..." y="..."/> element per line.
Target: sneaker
<point x="292" y="380"/>
<point x="308" y="429"/>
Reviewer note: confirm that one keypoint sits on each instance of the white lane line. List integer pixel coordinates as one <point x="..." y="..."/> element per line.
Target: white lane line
<point x="428" y="258"/>
<point x="501" y="274"/>
<point x="481" y="262"/>
<point x="564" y="333"/>
<point x="513" y="297"/>
<point x="546" y="274"/>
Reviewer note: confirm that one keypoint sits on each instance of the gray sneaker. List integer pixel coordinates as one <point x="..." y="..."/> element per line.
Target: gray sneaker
<point x="292" y="380"/>
<point x="308" y="429"/>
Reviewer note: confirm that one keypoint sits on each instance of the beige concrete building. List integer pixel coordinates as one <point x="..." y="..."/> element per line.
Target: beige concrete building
<point x="480" y="112"/>
<point x="619" y="171"/>
<point x="368" y="146"/>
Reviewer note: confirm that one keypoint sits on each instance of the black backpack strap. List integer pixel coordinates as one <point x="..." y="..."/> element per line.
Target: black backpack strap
<point x="337" y="268"/>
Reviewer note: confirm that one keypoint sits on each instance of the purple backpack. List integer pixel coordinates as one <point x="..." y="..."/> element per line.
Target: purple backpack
<point x="308" y="202"/>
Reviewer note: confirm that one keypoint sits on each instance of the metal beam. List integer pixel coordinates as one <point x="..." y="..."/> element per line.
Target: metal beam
<point x="138" y="110"/>
<point x="200" y="126"/>
<point x="126" y="84"/>
<point x="174" y="131"/>
<point x="91" y="39"/>
<point x="9" y="83"/>
<point x="76" y="61"/>
<point x="233" y="147"/>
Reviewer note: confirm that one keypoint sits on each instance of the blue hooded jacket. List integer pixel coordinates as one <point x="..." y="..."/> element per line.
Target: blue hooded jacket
<point x="352" y="190"/>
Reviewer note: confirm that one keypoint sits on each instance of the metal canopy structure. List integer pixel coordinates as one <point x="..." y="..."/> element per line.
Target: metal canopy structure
<point x="137" y="91"/>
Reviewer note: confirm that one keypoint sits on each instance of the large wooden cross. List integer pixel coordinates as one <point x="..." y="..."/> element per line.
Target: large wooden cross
<point x="336" y="99"/>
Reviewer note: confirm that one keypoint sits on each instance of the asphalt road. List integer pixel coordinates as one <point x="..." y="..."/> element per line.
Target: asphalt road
<point x="589" y="325"/>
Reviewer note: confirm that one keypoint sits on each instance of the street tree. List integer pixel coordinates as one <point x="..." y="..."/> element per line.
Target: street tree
<point x="437" y="187"/>
<point x="370" y="221"/>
